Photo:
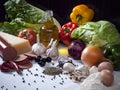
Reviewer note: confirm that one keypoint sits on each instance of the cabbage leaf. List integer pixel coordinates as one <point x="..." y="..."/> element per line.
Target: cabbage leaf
<point x="98" y="33"/>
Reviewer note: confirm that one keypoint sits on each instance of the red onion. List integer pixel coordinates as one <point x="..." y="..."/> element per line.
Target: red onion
<point x="75" y="49"/>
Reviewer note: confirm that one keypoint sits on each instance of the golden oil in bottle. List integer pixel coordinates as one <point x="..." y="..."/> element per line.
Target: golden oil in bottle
<point x="48" y="29"/>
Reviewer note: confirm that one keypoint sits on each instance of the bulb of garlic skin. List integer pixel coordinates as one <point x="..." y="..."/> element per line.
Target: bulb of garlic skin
<point x="53" y="51"/>
<point x="38" y="48"/>
<point x="69" y="67"/>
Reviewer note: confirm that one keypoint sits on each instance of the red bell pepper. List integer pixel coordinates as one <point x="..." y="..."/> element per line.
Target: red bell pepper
<point x="65" y="32"/>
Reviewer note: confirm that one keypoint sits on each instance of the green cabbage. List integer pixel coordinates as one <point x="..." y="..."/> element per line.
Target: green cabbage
<point x="98" y="33"/>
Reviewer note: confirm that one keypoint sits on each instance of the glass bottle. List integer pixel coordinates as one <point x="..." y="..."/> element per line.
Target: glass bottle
<point x="48" y="30"/>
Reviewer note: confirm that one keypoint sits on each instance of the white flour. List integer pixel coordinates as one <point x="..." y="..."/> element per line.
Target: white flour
<point x="92" y="83"/>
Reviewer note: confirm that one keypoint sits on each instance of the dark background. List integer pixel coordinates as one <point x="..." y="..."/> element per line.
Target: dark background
<point x="104" y="9"/>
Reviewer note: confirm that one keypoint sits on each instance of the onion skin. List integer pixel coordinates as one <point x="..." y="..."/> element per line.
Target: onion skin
<point x="75" y="49"/>
<point x="92" y="55"/>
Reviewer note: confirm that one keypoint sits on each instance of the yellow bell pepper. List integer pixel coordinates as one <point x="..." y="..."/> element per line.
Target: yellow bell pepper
<point x="81" y="14"/>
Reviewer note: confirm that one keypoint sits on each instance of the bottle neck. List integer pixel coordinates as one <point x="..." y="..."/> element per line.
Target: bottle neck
<point x="48" y="15"/>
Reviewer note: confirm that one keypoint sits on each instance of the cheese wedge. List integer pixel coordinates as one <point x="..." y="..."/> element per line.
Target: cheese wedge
<point x="21" y="45"/>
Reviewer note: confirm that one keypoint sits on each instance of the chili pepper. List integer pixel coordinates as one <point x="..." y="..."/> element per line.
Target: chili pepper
<point x="112" y="52"/>
<point x="65" y="32"/>
<point x="81" y="14"/>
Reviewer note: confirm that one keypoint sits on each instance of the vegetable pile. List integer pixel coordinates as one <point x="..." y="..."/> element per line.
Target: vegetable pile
<point x="19" y="14"/>
<point x="101" y="38"/>
<point x="102" y="34"/>
<point x="79" y="35"/>
<point x="98" y="33"/>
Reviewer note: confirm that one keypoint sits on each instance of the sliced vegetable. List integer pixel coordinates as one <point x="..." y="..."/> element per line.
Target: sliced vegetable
<point x="75" y="49"/>
<point x="65" y="32"/>
<point x="28" y="34"/>
<point x="81" y="14"/>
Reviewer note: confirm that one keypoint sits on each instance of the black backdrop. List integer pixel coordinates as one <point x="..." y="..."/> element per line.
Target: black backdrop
<point x="104" y="9"/>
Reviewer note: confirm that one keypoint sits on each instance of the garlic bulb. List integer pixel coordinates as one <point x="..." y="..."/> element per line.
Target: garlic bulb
<point x="38" y="48"/>
<point x="53" y="51"/>
<point x="68" y="67"/>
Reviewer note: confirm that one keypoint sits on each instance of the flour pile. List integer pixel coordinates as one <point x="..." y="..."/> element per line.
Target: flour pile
<point x="93" y="83"/>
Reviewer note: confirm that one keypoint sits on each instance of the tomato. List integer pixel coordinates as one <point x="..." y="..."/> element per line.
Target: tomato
<point x="92" y="55"/>
<point x="28" y="34"/>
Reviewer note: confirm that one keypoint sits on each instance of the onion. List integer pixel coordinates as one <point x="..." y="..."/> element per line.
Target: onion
<point x="75" y="49"/>
<point x="92" y="55"/>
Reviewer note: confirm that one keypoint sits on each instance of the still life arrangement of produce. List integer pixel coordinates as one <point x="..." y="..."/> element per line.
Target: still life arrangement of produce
<point x="84" y="51"/>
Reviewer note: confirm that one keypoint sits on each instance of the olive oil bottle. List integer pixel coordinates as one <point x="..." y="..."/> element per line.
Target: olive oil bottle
<point x="48" y="30"/>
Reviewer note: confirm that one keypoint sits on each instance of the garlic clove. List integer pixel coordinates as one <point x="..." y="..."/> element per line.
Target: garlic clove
<point x="53" y="51"/>
<point x="50" y="43"/>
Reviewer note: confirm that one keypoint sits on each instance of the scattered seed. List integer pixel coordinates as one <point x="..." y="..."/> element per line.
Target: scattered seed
<point x="20" y="72"/>
<point x="36" y="69"/>
<point x="42" y="80"/>
<point x="34" y="81"/>
<point x="61" y="78"/>
<point x="43" y="76"/>
<point x="54" y="77"/>
<point x="54" y="86"/>
<point x="28" y="83"/>
<point x="31" y="73"/>
<point x="23" y="81"/>
<point x="14" y="75"/>
<point x="28" y="70"/>
<point x="14" y="86"/>
<point x="61" y="83"/>
<point x="65" y="77"/>
<point x="59" y="75"/>
<point x="35" y="74"/>
<point x="2" y="86"/>
<point x="53" y="64"/>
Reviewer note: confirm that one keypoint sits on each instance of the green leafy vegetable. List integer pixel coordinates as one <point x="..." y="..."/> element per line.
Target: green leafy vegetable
<point x="24" y="10"/>
<point x="16" y="25"/>
<point x="10" y="28"/>
<point x="112" y="52"/>
<point x="98" y="33"/>
<point x="21" y="15"/>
